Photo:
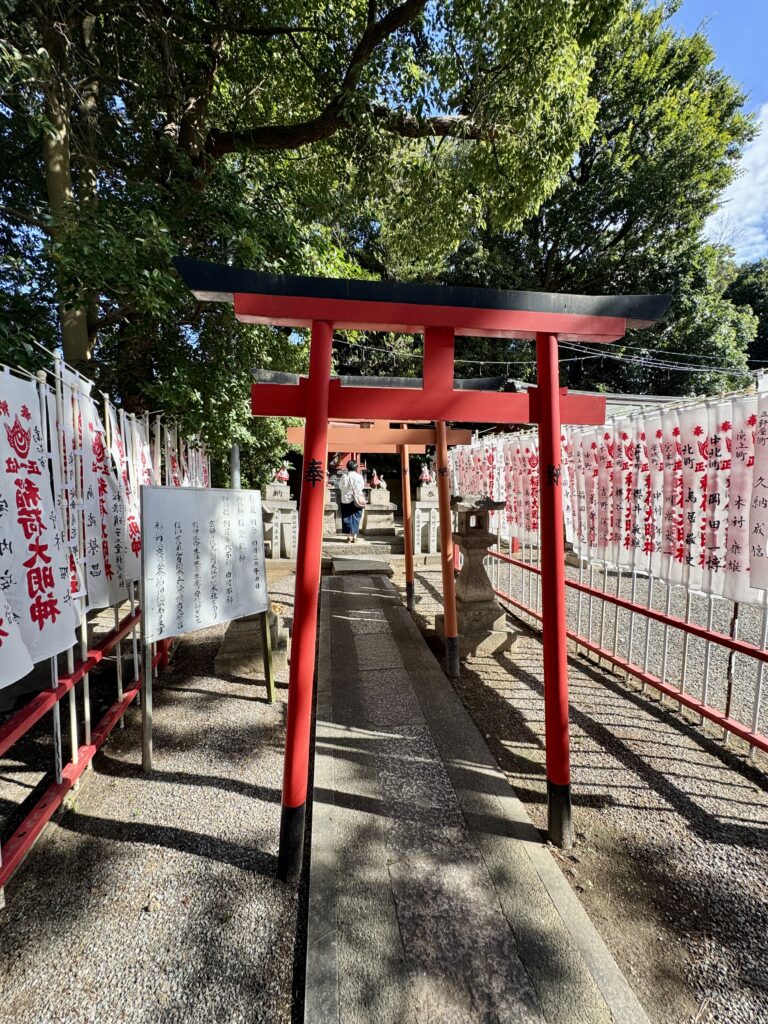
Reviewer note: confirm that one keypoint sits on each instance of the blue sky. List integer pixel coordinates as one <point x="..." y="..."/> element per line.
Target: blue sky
<point x="738" y="31"/>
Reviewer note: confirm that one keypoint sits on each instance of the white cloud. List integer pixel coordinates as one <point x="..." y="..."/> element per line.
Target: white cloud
<point x="742" y="220"/>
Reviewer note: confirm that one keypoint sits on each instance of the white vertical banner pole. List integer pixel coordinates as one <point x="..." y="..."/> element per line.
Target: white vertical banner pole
<point x="707" y="654"/>
<point x="731" y="674"/>
<point x="47" y="440"/>
<point x="146" y="649"/>
<point x="602" y="608"/>
<point x="686" y="640"/>
<point x="116" y="608"/>
<point x="616" y="611"/>
<point x="757" y="701"/>
<point x="64" y="461"/>
<point x="632" y="598"/>
<point x="665" y="649"/>
<point x="80" y="496"/>
<point x="648" y="605"/>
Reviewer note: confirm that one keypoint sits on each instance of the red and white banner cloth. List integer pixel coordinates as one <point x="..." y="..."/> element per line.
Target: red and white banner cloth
<point x="36" y="608"/>
<point x="69" y="512"/>
<point x="681" y="493"/>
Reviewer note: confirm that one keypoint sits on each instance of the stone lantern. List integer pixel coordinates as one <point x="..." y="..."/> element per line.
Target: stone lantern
<point x="482" y="622"/>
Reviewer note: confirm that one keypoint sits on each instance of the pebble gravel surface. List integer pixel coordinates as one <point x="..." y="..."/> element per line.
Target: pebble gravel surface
<point x="671" y="859"/>
<point x="155" y="899"/>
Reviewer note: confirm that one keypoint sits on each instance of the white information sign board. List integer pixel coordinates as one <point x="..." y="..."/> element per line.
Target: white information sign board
<point x="202" y="558"/>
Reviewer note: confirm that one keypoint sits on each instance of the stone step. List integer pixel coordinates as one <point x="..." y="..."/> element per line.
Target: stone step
<point x="334" y="547"/>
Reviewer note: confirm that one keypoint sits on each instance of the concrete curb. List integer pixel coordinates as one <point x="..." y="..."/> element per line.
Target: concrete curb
<point x="321" y="1002"/>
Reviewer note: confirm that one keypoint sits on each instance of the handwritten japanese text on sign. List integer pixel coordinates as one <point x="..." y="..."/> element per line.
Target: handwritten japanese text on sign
<point x="202" y="558"/>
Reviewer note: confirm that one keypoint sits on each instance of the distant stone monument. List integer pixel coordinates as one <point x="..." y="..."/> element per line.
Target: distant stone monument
<point x="281" y="517"/>
<point x="379" y="516"/>
<point x="332" y="508"/>
<point x="426" y="515"/>
<point x="482" y="622"/>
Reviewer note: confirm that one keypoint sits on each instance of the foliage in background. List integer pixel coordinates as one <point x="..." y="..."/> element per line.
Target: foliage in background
<point x="627" y="217"/>
<point x="750" y="288"/>
<point x="245" y="134"/>
<point x="409" y="140"/>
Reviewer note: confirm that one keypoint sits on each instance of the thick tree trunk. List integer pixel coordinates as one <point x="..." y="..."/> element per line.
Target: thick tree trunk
<point x="58" y="174"/>
<point x="87" y="180"/>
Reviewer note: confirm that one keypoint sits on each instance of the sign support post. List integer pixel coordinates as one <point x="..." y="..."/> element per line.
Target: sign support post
<point x="308" y="562"/>
<point x="554" y="637"/>
<point x="266" y="649"/>
<point x="146" y="654"/>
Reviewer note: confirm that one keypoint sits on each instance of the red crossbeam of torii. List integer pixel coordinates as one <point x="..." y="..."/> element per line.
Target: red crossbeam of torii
<point x="441" y="314"/>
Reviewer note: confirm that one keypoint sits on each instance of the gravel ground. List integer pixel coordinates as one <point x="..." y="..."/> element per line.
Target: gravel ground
<point x="750" y="627"/>
<point x="671" y="859"/>
<point x="155" y="899"/>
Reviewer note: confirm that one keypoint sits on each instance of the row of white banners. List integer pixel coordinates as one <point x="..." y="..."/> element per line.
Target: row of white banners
<point x="681" y="493"/>
<point x="69" y="512"/>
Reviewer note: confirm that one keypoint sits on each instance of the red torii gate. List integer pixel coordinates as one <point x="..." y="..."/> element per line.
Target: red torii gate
<point x="380" y="436"/>
<point x="440" y="313"/>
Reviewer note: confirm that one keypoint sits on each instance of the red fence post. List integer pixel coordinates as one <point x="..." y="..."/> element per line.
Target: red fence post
<point x="554" y="636"/>
<point x="304" y="642"/>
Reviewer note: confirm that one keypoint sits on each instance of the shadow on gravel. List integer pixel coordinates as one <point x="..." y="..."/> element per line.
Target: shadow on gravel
<point x="247" y="858"/>
<point x="217" y="695"/>
<point x="507" y="728"/>
<point x="123" y="769"/>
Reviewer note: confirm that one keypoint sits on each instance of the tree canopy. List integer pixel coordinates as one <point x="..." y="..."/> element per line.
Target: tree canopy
<point x="533" y="143"/>
<point x="750" y="288"/>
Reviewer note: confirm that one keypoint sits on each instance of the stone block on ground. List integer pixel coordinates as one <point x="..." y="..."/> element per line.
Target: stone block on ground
<point x="361" y="566"/>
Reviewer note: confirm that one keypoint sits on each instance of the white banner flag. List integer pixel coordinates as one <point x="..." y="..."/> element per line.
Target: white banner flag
<point x="15" y="661"/>
<point x="758" y="506"/>
<point x="737" y="585"/>
<point x="34" y="575"/>
<point x="124" y="506"/>
<point x="102" y="507"/>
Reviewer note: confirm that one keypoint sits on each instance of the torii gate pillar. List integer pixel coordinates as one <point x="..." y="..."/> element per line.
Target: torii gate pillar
<point x="308" y="565"/>
<point x="554" y="636"/>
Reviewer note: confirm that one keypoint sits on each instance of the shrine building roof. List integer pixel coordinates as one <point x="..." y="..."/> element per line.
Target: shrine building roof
<point x="292" y="301"/>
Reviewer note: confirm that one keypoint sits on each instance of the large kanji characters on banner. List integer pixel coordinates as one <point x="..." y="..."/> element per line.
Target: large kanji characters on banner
<point x="69" y="511"/>
<point x="681" y="493"/>
<point x="37" y="610"/>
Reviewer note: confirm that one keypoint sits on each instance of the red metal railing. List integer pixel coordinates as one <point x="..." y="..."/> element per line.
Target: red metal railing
<point x="21" y="841"/>
<point x="743" y="647"/>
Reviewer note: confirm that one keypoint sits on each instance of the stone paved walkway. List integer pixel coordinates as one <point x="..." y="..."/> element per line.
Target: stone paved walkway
<point x="432" y="898"/>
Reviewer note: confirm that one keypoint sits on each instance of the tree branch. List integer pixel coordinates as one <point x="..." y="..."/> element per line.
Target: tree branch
<point x="333" y="116"/>
<point x="25" y="218"/>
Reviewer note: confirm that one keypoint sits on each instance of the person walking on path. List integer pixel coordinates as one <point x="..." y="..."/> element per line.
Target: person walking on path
<point x="352" y="501"/>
